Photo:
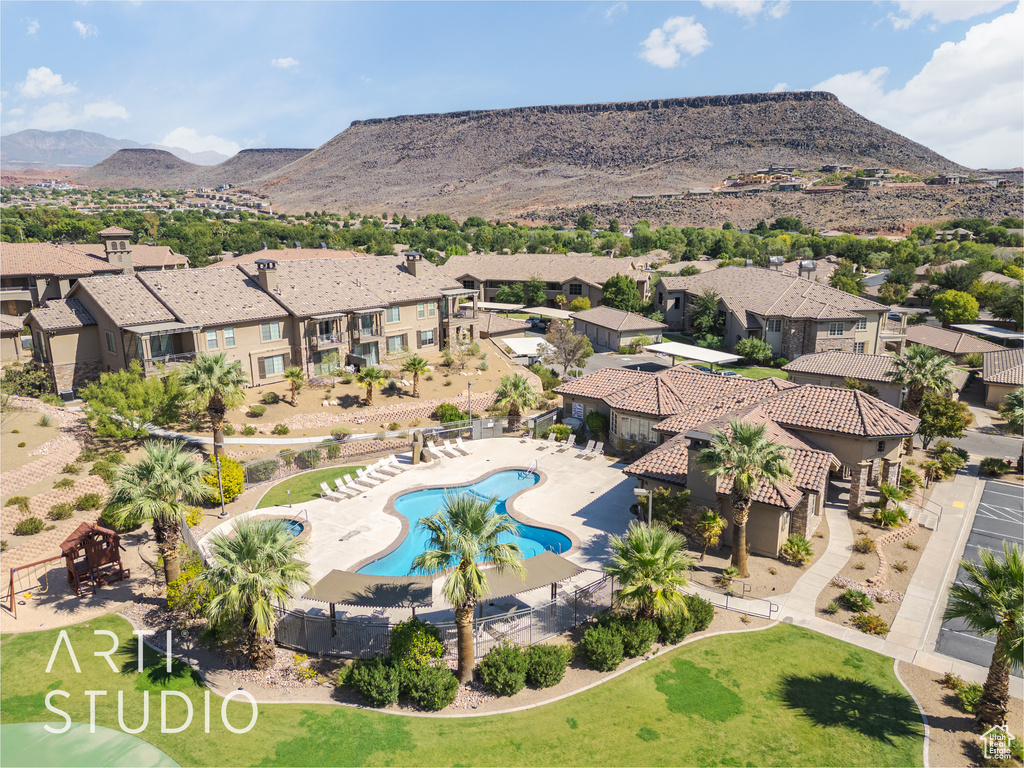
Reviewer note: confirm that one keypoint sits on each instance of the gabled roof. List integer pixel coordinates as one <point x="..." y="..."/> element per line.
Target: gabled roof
<point x="287" y="254"/>
<point x="491" y="322"/>
<point x="211" y="296"/>
<point x="1004" y="367"/>
<point x="857" y="366"/>
<point x="602" y="383"/>
<point x="11" y="324"/>
<point x="79" y="259"/>
<point x="115" y="231"/>
<point x="62" y="314"/>
<point x="945" y="340"/>
<point x="769" y="293"/>
<point x="673" y="391"/>
<point x="843" y="411"/>
<point x="617" y="319"/>
<point x="124" y="299"/>
<point x="996" y="277"/>
<point x="549" y="267"/>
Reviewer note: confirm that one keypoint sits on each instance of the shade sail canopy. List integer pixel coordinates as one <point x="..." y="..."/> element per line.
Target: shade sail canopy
<point x="498" y="306"/>
<point x="556" y="314"/>
<point x="526" y="347"/>
<point x="162" y="329"/>
<point x="691" y="352"/>
<point x="364" y="590"/>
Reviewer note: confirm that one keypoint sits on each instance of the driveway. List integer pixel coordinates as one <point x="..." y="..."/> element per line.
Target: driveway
<point x="1000" y="518"/>
<point x="638" y="362"/>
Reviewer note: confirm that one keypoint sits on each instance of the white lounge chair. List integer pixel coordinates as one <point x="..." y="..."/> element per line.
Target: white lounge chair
<point x="586" y="451"/>
<point x="363" y="477"/>
<point x="570" y="442"/>
<point x="327" y="493"/>
<point x="598" y="451"/>
<point x="385" y="467"/>
<point x="342" y="488"/>
<point x="454" y="449"/>
<point x="437" y="450"/>
<point x="374" y="473"/>
<point x="394" y="463"/>
<point x="461" y="445"/>
<point x="351" y="482"/>
<point x="551" y="442"/>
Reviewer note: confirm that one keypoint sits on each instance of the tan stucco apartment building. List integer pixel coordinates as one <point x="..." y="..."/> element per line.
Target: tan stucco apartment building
<point x="794" y="315"/>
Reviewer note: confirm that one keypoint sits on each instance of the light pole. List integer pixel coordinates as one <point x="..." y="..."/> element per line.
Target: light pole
<point x="641" y="493"/>
<point x="220" y="485"/>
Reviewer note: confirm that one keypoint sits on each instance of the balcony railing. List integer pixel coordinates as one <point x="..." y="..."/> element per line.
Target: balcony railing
<point x="462" y="314"/>
<point x="328" y="339"/>
<point x="361" y="335"/>
<point x="151" y="363"/>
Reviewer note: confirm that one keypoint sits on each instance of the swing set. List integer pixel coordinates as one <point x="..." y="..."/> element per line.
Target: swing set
<point x="18" y="584"/>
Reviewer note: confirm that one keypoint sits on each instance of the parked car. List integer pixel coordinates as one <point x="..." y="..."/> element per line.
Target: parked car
<point x="702" y="368"/>
<point x="540" y="323"/>
<point x="895" y="316"/>
<point x="727" y="373"/>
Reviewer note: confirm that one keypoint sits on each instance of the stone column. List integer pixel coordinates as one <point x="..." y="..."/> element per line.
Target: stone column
<point x="858" y="486"/>
<point x="890" y="472"/>
<point x="798" y="522"/>
<point x="875" y="477"/>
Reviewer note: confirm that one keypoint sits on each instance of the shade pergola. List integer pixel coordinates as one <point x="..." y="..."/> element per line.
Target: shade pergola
<point x="690" y="352"/>
<point x="989" y="331"/>
<point x="366" y="591"/>
<point x="554" y="314"/>
<point x="526" y="347"/>
<point x="498" y="306"/>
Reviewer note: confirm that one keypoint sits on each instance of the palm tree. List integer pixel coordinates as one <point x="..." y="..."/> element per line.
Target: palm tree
<point x="464" y="534"/>
<point x="371" y="376"/>
<point x="159" y="487"/>
<point x="515" y="392"/>
<point x="296" y="377"/>
<point x="746" y="458"/>
<point x="650" y="564"/>
<point x="989" y="601"/>
<point x="415" y="365"/>
<point x="709" y="528"/>
<point x="216" y="385"/>
<point x="921" y="369"/>
<point x="1012" y="409"/>
<point x="249" y="570"/>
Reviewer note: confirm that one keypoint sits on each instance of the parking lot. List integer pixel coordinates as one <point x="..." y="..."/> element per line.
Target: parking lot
<point x="1000" y="518"/>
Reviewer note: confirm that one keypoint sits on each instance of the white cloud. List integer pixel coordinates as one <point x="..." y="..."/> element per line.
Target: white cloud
<point x="104" y="110"/>
<point x="285" y="63"/>
<point x="750" y="9"/>
<point x="42" y="81"/>
<point x="614" y="11"/>
<point x="17" y="111"/>
<point x="33" y="27"/>
<point x="85" y="30"/>
<point x="941" y="11"/>
<point x="780" y="87"/>
<point x="966" y="103"/>
<point x="666" y="44"/>
<point x="189" y="138"/>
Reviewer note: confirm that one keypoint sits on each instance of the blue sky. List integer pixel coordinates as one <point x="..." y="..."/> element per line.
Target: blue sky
<point x="231" y="75"/>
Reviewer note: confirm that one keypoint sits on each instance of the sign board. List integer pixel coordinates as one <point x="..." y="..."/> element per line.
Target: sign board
<point x="577" y="410"/>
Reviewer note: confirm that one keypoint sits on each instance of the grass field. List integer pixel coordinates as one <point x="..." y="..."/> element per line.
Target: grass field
<point x="781" y="696"/>
<point x="304" y="487"/>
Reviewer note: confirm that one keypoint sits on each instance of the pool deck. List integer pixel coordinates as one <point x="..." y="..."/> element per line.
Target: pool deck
<point x="587" y="499"/>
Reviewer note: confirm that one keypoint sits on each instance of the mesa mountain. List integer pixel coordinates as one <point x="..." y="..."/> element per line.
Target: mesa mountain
<point x="508" y="162"/>
<point x="78" y="149"/>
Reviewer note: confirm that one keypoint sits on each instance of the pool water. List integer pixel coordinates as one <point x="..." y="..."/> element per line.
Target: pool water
<point x="293" y="528"/>
<point x="418" y="504"/>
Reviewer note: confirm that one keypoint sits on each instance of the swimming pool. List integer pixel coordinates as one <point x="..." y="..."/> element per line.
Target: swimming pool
<point x="418" y="504"/>
<point x="293" y="528"/>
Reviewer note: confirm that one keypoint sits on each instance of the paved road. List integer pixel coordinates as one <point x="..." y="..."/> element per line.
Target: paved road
<point x="1000" y="517"/>
<point x="982" y="444"/>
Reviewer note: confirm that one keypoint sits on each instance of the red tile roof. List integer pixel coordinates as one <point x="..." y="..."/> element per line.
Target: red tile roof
<point x="617" y="320"/>
<point x="945" y="340"/>
<point x="59" y="315"/>
<point x="1004" y="367"/>
<point x="78" y="260"/>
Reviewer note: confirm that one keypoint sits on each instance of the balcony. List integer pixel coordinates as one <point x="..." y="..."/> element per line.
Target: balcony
<point x="154" y="364"/>
<point x="327" y="340"/>
<point x="15" y="293"/>
<point x="366" y="335"/>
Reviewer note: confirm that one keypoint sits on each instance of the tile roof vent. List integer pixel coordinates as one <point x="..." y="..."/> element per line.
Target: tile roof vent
<point x="298" y="244"/>
<point x="808" y="266"/>
<point x="323" y="245"/>
<point x="750" y="262"/>
<point x="776" y="261"/>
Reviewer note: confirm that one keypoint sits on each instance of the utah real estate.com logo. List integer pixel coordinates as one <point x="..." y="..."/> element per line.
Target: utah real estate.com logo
<point x="64" y="640"/>
<point x="996" y="741"/>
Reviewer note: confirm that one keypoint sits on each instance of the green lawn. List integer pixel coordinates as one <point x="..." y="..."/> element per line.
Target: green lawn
<point x="304" y="487"/>
<point x="782" y="696"/>
<point x="756" y="372"/>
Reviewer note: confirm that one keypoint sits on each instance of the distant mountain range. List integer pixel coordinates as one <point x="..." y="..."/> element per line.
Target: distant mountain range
<point x="79" y="149"/>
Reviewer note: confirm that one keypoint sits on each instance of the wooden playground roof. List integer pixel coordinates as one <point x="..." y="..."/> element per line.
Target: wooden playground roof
<point x="82" y="532"/>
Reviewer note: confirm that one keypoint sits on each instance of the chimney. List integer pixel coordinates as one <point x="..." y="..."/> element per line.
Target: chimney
<point x="118" y="248"/>
<point x="267" y="274"/>
<point x="412" y="261"/>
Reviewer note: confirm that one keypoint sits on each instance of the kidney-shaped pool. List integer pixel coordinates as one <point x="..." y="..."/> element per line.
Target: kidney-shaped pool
<point x="418" y="504"/>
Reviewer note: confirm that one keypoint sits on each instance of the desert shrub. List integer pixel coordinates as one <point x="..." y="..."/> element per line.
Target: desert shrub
<point x="864" y="545"/>
<point x="60" y="511"/>
<point x="376" y="680"/>
<point x="870" y="624"/>
<point x="994" y="467"/>
<point x="797" y="549"/>
<point x="900" y="566"/>
<point x="89" y="454"/>
<point x="21" y="502"/>
<point x="104" y="469"/>
<point x="890" y="518"/>
<point x="430" y="377"/>
<point x="859" y="566"/>
<point x="232" y="477"/>
<point x="432" y="687"/>
<point x="270" y="398"/>
<point x="308" y="459"/>
<point x="229" y="429"/>
<point x="911" y="546"/>
<point x="637" y="634"/>
<point x="503" y="669"/>
<point x="26" y="381"/>
<point x="832" y="608"/>
<point x="483" y="365"/>
<point x="446" y="412"/>
<point x="597" y="423"/>
<point x="968" y="694"/>
<point x="448" y="383"/>
<point x="857" y="601"/>
<point x="186" y="593"/>
<point x="71" y="469"/>
<point x="724" y="579"/>
<point x="701" y="612"/>
<point x="193" y="516"/>
<point x="549" y="378"/>
<point x="347" y="378"/>
<point x="674" y="627"/>
<point x="415" y="644"/>
<point x="330" y="449"/>
<point x="29" y="526"/>
<point x="3" y="545"/>
<point x="256" y="410"/>
<point x="44" y="421"/>
<point x="280" y="429"/>
<point x="545" y="664"/>
<point x="261" y="471"/>
<point x="248" y="430"/>
<point x="341" y="433"/>
<point x="780" y="362"/>
<point x="88" y="501"/>
<point x="22" y="445"/>
<point x="601" y="648"/>
<point x="394" y="426"/>
<point x="115" y="458"/>
<point x="64" y="482"/>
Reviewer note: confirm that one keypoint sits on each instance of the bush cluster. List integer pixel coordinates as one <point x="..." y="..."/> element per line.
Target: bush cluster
<point x="88" y="501"/>
<point x="994" y="467"/>
<point x="270" y="398"/>
<point x="71" y="469"/>
<point x="21" y="502"/>
<point x="870" y="624"/>
<point x="232" y="477"/>
<point x="446" y="413"/>
<point x="29" y="526"/>
<point x="60" y="511"/>
<point x="864" y="545"/>
<point x="601" y="648"/>
<point x="545" y="664"/>
<point x="261" y="471"/>
<point x="280" y="429"/>
<point x="637" y="634"/>
<point x="308" y="459"/>
<point x="64" y="482"/>
<point x="256" y="410"/>
<point x="376" y="680"/>
<point x="106" y="470"/>
<point x="503" y="669"/>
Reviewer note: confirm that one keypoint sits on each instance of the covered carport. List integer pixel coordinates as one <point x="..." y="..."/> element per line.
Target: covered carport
<point x="675" y="349"/>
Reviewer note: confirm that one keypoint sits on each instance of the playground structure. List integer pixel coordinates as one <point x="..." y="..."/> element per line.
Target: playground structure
<point x="91" y="554"/>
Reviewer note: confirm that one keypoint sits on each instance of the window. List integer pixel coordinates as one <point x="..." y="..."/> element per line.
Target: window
<point x="470" y="284"/>
<point x="427" y="338"/>
<point x="862" y="324"/>
<point x="661" y="297"/>
<point x="774" y="325"/>
<point x="431" y="309"/>
<point x="395" y="344"/>
<point x="881" y="446"/>
<point x="675" y="303"/>
<point x="392" y="315"/>
<point x="211" y="340"/>
<point x="552" y="286"/>
<point x="273" y="365"/>
<point x="229" y="337"/>
<point x="858" y="347"/>
<point x="270" y="331"/>
<point x="111" y="343"/>
<point x="634" y="429"/>
<point x="835" y="329"/>
<point x="615" y="423"/>
<point x="421" y="310"/>
<point x="575" y="289"/>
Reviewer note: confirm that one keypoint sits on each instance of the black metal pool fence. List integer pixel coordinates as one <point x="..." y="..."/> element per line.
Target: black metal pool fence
<point x="365" y="637"/>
